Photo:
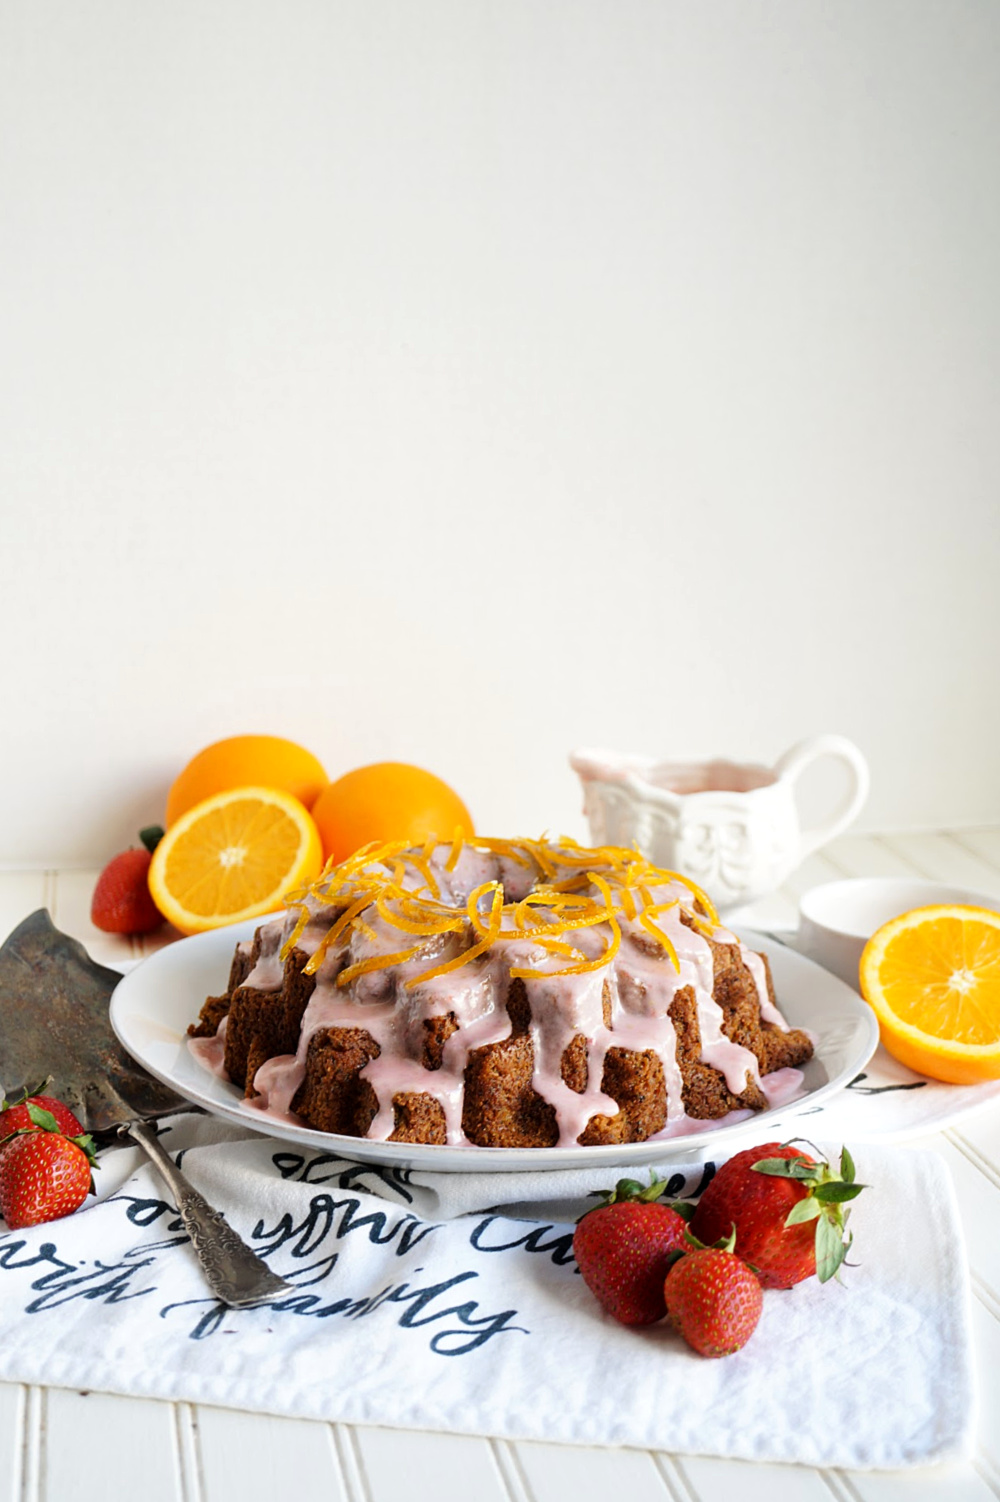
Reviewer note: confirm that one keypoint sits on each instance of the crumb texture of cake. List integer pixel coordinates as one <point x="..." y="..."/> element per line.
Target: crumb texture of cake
<point x="501" y="993"/>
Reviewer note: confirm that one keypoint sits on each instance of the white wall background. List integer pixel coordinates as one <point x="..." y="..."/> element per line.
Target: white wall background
<point x="459" y="381"/>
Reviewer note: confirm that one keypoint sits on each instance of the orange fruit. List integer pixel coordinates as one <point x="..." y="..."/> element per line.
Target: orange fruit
<point x="243" y="761"/>
<point x="233" y="857"/>
<point x="932" y="977"/>
<point x="388" y="800"/>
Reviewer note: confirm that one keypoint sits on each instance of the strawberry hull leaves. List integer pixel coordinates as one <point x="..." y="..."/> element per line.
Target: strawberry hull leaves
<point x="44" y="1121"/>
<point x="831" y="1249"/>
<point x="17" y="1113"/>
<point x="630" y="1190"/>
<point x="39" y="1117"/>
<point x="788" y="1211"/>
<point x="826" y="1192"/>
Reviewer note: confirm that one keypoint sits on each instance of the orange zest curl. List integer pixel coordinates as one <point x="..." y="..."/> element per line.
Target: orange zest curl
<point x="496" y="914"/>
<point x="457" y="841"/>
<point x="376" y="962"/>
<point x="472" y="906"/>
<point x="423" y="865"/>
<point x="295" y="935"/>
<point x="332" y="935"/>
<point x="661" y="938"/>
<point x="575" y="888"/>
<point x="703" y="901"/>
<point x="417" y="917"/>
<point x="515" y="850"/>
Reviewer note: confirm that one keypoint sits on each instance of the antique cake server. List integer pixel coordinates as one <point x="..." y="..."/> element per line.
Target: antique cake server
<point x="54" y="1022"/>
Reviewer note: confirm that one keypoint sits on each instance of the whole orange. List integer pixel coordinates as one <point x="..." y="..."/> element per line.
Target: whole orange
<point x="388" y="800"/>
<point x="246" y="761"/>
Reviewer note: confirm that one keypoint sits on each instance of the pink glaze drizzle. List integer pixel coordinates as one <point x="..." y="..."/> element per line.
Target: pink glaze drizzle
<point x="211" y="1051"/>
<point x="640" y="982"/>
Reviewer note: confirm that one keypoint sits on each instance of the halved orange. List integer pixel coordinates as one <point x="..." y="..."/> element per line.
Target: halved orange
<point x="932" y="977"/>
<point x="233" y="857"/>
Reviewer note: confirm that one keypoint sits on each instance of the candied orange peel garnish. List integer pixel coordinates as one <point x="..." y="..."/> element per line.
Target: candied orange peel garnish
<point x="577" y="888"/>
<point x="559" y="946"/>
<point x="295" y="935"/>
<point x="413" y="921"/>
<point x="472" y="906"/>
<point x="661" y="938"/>
<point x="423" y="865"/>
<point x="457" y="841"/>
<point x="333" y="934"/>
<point x="515" y="850"/>
<point x="496" y="912"/>
<point x="705" y="902"/>
<point x="376" y="962"/>
<point x="606" y="914"/>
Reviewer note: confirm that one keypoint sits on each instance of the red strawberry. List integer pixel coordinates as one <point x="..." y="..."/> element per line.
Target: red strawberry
<point x="43" y="1176"/>
<point x="623" y="1250"/>
<point x="714" y="1300"/>
<point x="122" y="903"/>
<point x="18" y="1115"/>
<point x="787" y="1211"/>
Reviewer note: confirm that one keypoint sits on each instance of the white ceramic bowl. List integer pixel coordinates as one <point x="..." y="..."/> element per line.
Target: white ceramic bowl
<point x="837" y="920"/>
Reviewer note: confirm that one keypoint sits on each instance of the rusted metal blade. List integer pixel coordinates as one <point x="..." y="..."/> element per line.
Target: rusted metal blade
<point x="54" y="1021"/>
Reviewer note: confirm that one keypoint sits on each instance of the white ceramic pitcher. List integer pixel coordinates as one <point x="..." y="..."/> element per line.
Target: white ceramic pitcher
<point x="731" y="827"/>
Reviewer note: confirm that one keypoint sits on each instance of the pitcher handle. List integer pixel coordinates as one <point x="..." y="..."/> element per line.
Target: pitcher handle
<point x="795" y="762"/>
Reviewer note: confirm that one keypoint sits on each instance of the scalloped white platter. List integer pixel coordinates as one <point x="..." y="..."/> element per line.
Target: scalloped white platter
<point x="153" y="1005"/>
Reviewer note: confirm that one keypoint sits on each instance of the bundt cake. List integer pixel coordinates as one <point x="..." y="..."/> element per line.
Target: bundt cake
<point x="500" y="993"/>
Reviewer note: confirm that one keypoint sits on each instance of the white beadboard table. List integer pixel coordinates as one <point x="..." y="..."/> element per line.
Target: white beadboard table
<point x="67" y="1446"/>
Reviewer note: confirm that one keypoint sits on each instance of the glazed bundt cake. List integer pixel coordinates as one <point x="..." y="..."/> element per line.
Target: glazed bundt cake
<point x="500" y="993"/>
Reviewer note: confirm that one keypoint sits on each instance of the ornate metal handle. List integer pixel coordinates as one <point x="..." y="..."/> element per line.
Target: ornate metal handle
<point x="235" y="1274"/>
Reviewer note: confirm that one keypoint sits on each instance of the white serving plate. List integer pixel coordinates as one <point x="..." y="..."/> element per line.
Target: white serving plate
<point x="153" y="1005"/>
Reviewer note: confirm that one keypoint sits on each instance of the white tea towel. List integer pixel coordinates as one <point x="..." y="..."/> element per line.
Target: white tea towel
<point x="480" y="1324"/>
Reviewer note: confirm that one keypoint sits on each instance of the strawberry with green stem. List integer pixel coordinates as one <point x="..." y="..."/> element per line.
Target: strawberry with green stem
<point x="787" y="1210"/>
<point x="15" y="1115"/>
<point x="623" y="1249"/>
<point x="44" y="1174"/>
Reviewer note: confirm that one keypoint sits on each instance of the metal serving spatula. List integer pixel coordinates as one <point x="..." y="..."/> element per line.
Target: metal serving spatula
<point x="54" y="1022"/>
